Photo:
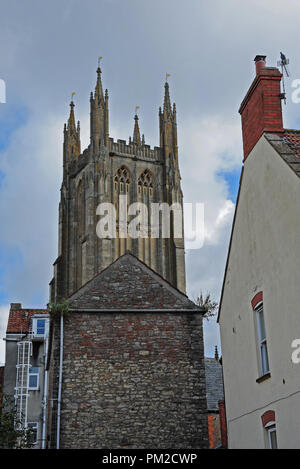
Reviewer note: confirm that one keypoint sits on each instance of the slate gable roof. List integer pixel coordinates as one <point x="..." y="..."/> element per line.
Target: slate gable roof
<point x="288" y="147"/>
<point x="214" y="383"/>
<point x="129" y="284"/>
<point x="19" y="320"/>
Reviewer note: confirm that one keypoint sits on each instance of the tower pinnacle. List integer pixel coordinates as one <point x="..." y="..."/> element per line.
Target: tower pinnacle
<point x="71" y="136"/>
<point x="99" y="90"/>
<point x="168" y="126"/>
<point x="99" y="113"/>
<point x="136" y="132"/>
<point x="167" y="101"/>
<point x="71" y="121"/>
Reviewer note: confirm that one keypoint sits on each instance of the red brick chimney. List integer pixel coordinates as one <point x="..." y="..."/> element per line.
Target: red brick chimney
<point x="261" y="108"/>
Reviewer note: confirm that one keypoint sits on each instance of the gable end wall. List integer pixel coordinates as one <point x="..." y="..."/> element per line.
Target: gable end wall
<point x="133" y="380"/>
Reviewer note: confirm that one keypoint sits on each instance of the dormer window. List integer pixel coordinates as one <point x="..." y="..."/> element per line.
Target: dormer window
<point x="39" y="326"/>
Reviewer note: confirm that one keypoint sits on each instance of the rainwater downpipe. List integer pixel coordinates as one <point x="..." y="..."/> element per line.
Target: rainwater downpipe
<point x="45" y="397"/>
<point x="60" y="378"/>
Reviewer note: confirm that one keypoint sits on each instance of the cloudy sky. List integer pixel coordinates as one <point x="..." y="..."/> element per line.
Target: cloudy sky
<point x="50" y="49"/>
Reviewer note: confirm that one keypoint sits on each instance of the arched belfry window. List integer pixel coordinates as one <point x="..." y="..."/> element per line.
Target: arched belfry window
<point x="122" y="180"/>
<point x="145" y="183"/>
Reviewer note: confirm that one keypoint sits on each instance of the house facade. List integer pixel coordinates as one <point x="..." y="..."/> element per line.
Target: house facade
<point x="259" y="307"/>
<point x="25" y="375"/>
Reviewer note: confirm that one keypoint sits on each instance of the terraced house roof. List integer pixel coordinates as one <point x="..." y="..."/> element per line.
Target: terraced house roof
<point x="19" y="319"/>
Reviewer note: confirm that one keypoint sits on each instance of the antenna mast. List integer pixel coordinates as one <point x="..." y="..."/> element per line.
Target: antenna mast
<point x="283" y="63"/>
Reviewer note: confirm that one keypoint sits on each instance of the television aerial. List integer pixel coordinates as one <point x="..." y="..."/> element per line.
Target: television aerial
<point x="283" y="64"/>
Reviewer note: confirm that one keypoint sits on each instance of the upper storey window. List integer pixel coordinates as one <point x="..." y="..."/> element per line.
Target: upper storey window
<point x="122" y="180"/>
<point x="258" y="307"/>
<point x="145" y="182"/>
<point x="262" y="339"/>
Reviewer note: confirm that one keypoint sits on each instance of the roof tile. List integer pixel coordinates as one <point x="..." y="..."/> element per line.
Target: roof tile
<point x="288" y="147"/>
<point x="214" y="383"/>
<point x="19" y="320"/>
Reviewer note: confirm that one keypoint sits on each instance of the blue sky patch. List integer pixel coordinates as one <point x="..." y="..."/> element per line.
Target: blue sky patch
<point x="232" y="179"/>
<point x="11" y="118"/>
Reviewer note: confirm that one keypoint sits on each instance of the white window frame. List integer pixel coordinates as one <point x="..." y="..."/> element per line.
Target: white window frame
<point x="34" y="388"/>
<point x="35" y="426"/>
<point x="261" y="340"/>
<point x="271" y="428"/>
<point x="35" y="328"/>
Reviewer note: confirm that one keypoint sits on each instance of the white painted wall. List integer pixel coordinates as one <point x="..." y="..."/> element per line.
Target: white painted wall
<point x="265" y="255"/>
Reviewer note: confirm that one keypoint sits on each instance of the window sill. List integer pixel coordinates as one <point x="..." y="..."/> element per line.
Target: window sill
<point x="263" y="377"/>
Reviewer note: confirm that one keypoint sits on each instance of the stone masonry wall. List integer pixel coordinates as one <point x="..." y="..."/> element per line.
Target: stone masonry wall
<point x="133" y="380"/>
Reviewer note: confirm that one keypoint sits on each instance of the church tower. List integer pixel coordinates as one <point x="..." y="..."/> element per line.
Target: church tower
<point x="103" y="172"/>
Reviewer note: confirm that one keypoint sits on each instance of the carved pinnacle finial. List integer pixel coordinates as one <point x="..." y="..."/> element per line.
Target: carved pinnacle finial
<point x="71" y="121"/>
<point x="98" y="89"/>
<point x="167" y="101"/>
<point x="136" y="133"/>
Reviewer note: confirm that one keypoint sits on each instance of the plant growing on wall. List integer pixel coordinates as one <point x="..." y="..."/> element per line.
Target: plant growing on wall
<point x="58" y="309"/>
<point x="210" y="306"/>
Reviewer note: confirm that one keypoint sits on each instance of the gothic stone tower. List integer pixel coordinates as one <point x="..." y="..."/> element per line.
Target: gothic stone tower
<point x="101" y="173"/>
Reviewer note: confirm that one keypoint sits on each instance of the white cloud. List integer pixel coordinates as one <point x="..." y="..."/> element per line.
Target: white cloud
<point x="28" y="204"/>
<point x="210" y="145"/>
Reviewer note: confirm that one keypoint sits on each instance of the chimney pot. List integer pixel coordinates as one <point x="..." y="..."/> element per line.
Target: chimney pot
<point x="15" y="306"/>
<point x="260" y="62"/>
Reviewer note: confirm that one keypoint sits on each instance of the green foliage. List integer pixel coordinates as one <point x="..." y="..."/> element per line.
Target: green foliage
<point x="58" y="309"/>
<point x="208" y="304"/>
<point x="12" y="432"/>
